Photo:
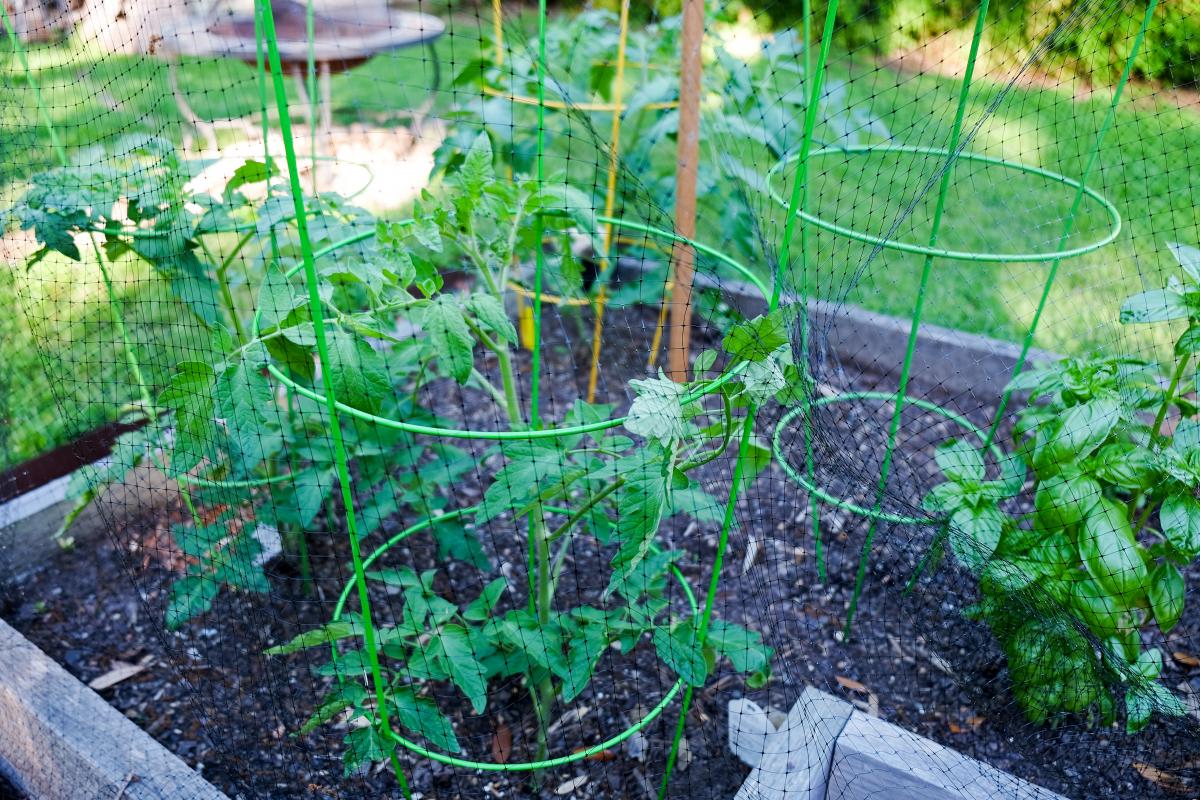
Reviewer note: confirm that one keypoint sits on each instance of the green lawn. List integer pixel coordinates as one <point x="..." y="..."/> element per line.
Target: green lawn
<point x="63" y="369"/>
<point x="58" y="331"/>
<point x="1143" y="169"/>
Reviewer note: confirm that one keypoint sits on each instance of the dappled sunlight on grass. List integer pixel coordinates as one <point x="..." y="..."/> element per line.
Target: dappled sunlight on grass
<point x="66" y="364"/>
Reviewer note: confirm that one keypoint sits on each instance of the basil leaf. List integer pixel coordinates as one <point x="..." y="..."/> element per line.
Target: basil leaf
<point x="960" y="461"/>
<point x="1180" y="521"/>
<point x="1111" y="553"/>
<point x="1156" y="305"/>
<point x="1166" y="594"/>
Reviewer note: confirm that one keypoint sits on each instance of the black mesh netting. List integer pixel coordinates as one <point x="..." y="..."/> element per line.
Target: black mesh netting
<point x="617" y="400"/>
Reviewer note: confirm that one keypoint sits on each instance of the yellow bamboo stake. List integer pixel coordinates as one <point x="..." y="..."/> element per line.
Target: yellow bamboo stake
<point x="610" y="200"/>
<point x="498" y="31"/>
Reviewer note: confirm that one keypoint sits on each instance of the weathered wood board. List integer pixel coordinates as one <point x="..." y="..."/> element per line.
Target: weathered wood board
<point x="59" y="739"/>
<point x="875" y="759"/>
<point x="795" y="757"/>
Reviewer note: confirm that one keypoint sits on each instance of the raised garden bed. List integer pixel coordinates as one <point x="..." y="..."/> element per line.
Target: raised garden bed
<point x="208" y="694"/>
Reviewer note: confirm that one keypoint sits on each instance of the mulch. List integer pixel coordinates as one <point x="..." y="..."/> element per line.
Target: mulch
<point x="209" y="695"/>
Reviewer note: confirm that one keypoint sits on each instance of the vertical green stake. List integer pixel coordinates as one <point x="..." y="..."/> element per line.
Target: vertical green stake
<point x="797" y="203"/>
<point x="260" y="79"/>
<point x="535" y="380"/>
<point x="926" y="269"/>
<point x="539" y="224"/>
<point x="1069" y="223"/>
<point x="814" y="506"/>
<point x="713" y="581"/>
<point x="335" y="426"/>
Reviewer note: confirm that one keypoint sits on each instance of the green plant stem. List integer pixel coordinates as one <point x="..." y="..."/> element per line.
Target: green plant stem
<point x="490" y="388"/>
<point x="560" y="559"/>
<point x="1159" y="418"/>
<point x="512" y="405"/>
<point x="223" y="282"/>
<point x="504" y="361"/>
<point x="230" y="307"/>
<point x="579" y="514"/>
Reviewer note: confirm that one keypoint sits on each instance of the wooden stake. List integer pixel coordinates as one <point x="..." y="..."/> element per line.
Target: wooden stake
<point x="683" y="257"/>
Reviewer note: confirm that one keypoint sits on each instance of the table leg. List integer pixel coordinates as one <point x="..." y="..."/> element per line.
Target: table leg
<point x="302" y="90"/>
<point x="326" y="101"/>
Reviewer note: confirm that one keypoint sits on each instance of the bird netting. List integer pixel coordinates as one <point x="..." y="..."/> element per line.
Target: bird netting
<point x="471" y="400"/>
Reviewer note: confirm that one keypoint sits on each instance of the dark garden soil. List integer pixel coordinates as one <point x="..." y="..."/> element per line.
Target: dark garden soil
<point x="8" y="791"/>
<point x="208" y="694"/>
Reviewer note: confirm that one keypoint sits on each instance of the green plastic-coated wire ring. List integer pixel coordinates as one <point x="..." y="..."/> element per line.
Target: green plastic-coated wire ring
<point x="527" y="766"/>
<point x="510" y="435"/>
<point x="955" y="255"/>
<point x="430" y="430"/>
<point x="862" y="511"/>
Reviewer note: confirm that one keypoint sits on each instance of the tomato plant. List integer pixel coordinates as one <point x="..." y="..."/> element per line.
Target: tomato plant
<point x="249" y="452"/>
<point x="753" y="109"/>
<point x="1070" y="587"/>
<point x="617" y="488"/>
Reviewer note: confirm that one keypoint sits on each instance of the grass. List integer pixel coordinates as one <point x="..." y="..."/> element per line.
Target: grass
<point x="67" y="373"/>
<point x="1142" y="169"/>
<point x="63" y="369"/>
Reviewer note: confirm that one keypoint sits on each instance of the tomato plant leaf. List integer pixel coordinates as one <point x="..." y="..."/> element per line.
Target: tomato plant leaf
<point x="190" y="395"/>
<point x="744" y="648"/>
<point x="480" y="609"/>
<point x="450" y="338"/>
<point x="463" y="665"/>
<point x="657" y="411"/>
<point x="329" y="632"/>
<point x="422" y="715"/>
<point x="359" y="375"/>
<point x="365" y="745"/>
<point x="535" y="468"/>
<point x="756" y="339"/>
<point x="346" y="695"/>
<point x="246" y="404"/>
<point x="679" y="648"/>
<point x="491" y="316"/>
<point x="190" y="597"/>
<point x="476" y="172"/>
<point x="583" y="653"/>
